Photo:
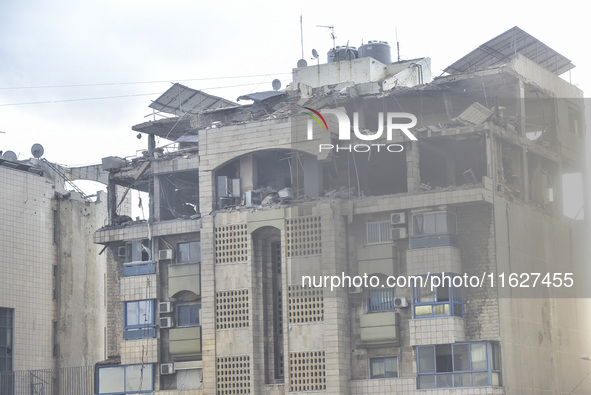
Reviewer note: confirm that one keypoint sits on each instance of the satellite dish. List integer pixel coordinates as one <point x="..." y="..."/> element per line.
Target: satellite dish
<point x="315" y="54"/>
<point x="37" y="150"/>
<point x="302" y="63"/>
<point x="276" y="84"/>
<point x="10" y="155"/>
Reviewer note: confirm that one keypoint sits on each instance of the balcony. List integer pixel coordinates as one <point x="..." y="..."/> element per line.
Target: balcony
<point x="185" y="277"/>
<point x="137" y="268"/>
<point x="185" y="343"/>
<point x="380" y="328"/>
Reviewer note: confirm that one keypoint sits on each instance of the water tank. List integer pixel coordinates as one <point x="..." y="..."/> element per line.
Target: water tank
<point x="341" y="53"/>
<point x="379" y="50"/>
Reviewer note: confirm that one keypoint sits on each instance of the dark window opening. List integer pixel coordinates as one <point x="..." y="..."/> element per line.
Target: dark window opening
<point x="179" y="195"/>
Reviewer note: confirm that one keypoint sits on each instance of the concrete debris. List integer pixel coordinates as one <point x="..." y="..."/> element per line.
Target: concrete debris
<point x="475" y="114"/>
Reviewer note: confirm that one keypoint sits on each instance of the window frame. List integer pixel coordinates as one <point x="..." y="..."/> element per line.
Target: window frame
<point x="125" y="368"/>
<point x="190" y="260"/>
<point x="455" y="299"/>
<point x="145" y="330"/>
<point x="381" y="226"/>
<point x="455" y="377"/>
<point x="382" y="301"/>
<point x="383" y="360"/>
<point x="180" y="307"/>
<point x="7" y="323"/>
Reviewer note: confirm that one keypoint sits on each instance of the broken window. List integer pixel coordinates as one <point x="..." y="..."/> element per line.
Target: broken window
<point x="542" y="178"/>
<point x="573" y="192"/>
<point x="452" y="162"/>
<point x="510" y="169"/>
<point x="179" y="195"/>
<point x="137" y="258"/>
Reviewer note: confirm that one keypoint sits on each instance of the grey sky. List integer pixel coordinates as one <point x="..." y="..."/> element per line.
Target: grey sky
<point x="73" y="42"/>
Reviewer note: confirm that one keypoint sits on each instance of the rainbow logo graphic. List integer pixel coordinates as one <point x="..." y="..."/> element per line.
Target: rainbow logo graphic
<point x="316" y="118"/>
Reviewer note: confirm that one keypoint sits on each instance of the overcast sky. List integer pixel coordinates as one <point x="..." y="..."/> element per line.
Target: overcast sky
<point x="90" y="69"/>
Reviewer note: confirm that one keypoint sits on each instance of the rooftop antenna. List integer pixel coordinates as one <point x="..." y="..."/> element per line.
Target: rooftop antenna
<point x="331" y="27"/>
<point x="302" y="35"/>
<point x="397" y="43"/>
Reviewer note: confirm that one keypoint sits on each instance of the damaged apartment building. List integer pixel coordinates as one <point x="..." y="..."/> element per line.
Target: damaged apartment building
<point x="247" y="201"/>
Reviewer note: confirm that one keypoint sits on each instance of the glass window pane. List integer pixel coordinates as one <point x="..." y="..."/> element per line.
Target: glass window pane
<point x="496" y="348"/>
<point x="427" y="381"/>
<point x="440" y="222"/>
<point x="183" y="252"/>
<point x="443" y="294"/>
<point x="444" y="380"/>
<point x="478" y="351"/>
<point x="441" y="310"/>
<point x="429" y="224"/>
<point x="111" y="380"/>
<point x="417" y="224"/>
<point x="425" y="295"/>
<point x="391" y="367"/>
<point x="145" y="312"/>
<point x="426" y="361"/>
<point x="479" y="379"/>
<point x="131" y="314"/>
<point x="451" y="223"/>
<point x="138" y="378"/>
<point x="462" y="380"/>
<point x="443" y="358"/>
<point x="496" y="379"/>
<point x="423" y="311"/>
<point x="188" y="315"/>
<point x="195" y="251"/>
<point x="461" y="357"/>
<point x="377" y="368"/>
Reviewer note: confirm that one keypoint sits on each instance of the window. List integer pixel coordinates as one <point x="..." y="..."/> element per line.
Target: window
<point x="442" y="301"/>
<point x="138" y="258"/>
<point x="189" y="315"/>
<point x="189" y="252"/>
<point x="125" y="379"/>
<point x="377" y="232"/>
<point x="381" y="299"/>
<point x="6" y="325"/>
<point x="459" y="365"/>
<point x="383" y="368"/>
<point x="139" y="320"/>
<point x="432" y="229"/>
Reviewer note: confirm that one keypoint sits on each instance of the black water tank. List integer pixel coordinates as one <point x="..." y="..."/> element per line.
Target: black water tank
<point x="341" y="53"/>
<point x="379" y="50"/>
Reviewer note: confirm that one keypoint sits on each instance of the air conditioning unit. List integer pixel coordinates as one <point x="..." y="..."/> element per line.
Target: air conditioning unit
<point x="398" y="218"/>
<point x="165" y="255"/>
<point x="164" y="307"/>
<point x="165" y="322"/>
<point x="166" y="368"/>
<point x="122" y="251"/>
<point x="400" y="302"/>
<point x="398" y="233"/>
<point x="355" y="290"/>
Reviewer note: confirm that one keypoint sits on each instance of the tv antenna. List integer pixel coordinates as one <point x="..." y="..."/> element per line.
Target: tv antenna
<point x="302" y="35"/>
<point x="397" y="43"/>
<point x="331" y="27"/>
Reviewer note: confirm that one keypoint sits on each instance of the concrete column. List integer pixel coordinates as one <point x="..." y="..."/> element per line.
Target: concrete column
<point x="413" y="175"/>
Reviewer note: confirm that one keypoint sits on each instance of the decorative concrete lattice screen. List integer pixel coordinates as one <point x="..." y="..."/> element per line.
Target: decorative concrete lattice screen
<point x="307" y="371"/>
<point x="303" y="236"/>
<point x="233" y="375"/>
<point x="231" y="309"/>
<point x="305" y="304"/>
<point x="231" y="244"/>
